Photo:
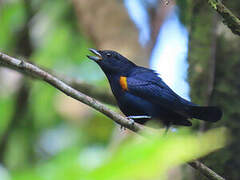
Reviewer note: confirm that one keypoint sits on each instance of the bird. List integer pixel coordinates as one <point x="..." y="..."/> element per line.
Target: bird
<point x="142" y="95"/>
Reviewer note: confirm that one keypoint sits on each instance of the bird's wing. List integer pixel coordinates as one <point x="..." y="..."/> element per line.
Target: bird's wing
<point x="148" y="85"/>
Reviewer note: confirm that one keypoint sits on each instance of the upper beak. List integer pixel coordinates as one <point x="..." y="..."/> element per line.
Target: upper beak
<point x="97" y="57"/>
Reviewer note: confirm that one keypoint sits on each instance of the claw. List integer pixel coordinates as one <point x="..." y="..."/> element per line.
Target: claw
<point x="131" y="121"/>
<point x="122" y="128"/>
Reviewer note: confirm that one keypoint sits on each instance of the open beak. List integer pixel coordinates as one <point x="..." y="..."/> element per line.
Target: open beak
<point x="98" y="56"/>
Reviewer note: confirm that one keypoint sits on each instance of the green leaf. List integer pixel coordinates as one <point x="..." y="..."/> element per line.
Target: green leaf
<point x="146" y="159"/>
<point x="138" y="158"/>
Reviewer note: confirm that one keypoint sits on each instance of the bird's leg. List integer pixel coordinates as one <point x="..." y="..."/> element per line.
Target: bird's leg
<point x="131" y="119"/>
<point x="139" y="117"/>
<point x="167" y="128"/>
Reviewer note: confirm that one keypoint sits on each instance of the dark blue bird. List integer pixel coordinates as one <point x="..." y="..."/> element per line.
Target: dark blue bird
<point x="142" y="95"/>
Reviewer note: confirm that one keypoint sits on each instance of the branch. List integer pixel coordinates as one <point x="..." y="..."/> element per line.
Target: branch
<point x="102" y="95"/>
<point x="35" y="71"/>
<point x="91" y="90"/>
<point x="232" y="21"/>
<point x="210" y="174"/>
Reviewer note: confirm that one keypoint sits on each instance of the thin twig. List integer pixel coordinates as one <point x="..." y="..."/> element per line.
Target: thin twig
<point x="232" y="21"/>
<point x="210" y="174"/>
<point x="35" y="71"/>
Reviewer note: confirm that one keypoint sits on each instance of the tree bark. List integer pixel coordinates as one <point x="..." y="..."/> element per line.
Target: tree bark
<point x="218" y="85"/>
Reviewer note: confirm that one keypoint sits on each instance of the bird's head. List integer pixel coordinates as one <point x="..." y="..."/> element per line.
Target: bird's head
<point x="111" y="61"/>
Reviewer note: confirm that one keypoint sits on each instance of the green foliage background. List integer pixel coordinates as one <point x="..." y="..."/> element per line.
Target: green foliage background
<point x="46" y="143"/>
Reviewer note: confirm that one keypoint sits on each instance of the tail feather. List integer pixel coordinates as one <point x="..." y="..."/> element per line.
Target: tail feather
<point x="206" y="113"/>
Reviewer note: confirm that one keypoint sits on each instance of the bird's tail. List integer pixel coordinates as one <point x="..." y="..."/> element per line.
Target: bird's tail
<point x="206" y="113"/>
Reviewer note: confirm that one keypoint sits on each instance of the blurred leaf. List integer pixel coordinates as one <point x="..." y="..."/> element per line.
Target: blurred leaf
<point x="151" y="158"/>
<point x="12" y="18"/>
<point x="18" y="153"/>
<point x="6" y="110"/>
<point x="185" y="8"/>
<point x="103" y="132"/>
<point x="136" y="159"/>
<point x="65" y="167"/>
<point x="42" y="105"/>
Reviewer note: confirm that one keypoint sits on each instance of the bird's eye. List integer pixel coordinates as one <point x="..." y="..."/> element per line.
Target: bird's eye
<point x="108" y="55"/>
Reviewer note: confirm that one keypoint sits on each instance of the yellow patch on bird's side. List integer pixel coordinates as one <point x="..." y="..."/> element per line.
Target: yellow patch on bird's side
<point x="123" y="83"/>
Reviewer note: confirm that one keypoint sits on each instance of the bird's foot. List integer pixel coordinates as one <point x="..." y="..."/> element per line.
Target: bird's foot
<point x="131" y="120"/>
<point x="131" y="123"/>
<point x="122" y="128"/>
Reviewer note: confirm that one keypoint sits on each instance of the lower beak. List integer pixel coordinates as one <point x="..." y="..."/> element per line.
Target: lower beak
<point x="98" y="56"/>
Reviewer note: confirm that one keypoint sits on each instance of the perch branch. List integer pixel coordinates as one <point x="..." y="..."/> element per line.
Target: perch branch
<point x="91" y="90"/>
<point x="34" y="71"/>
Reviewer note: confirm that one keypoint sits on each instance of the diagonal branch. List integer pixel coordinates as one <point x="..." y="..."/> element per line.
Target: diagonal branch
<point x="102" y="95"/>
<point x="232" y="21"/>
<point x="210" y="174"/>
<point x="34" y="71"/>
